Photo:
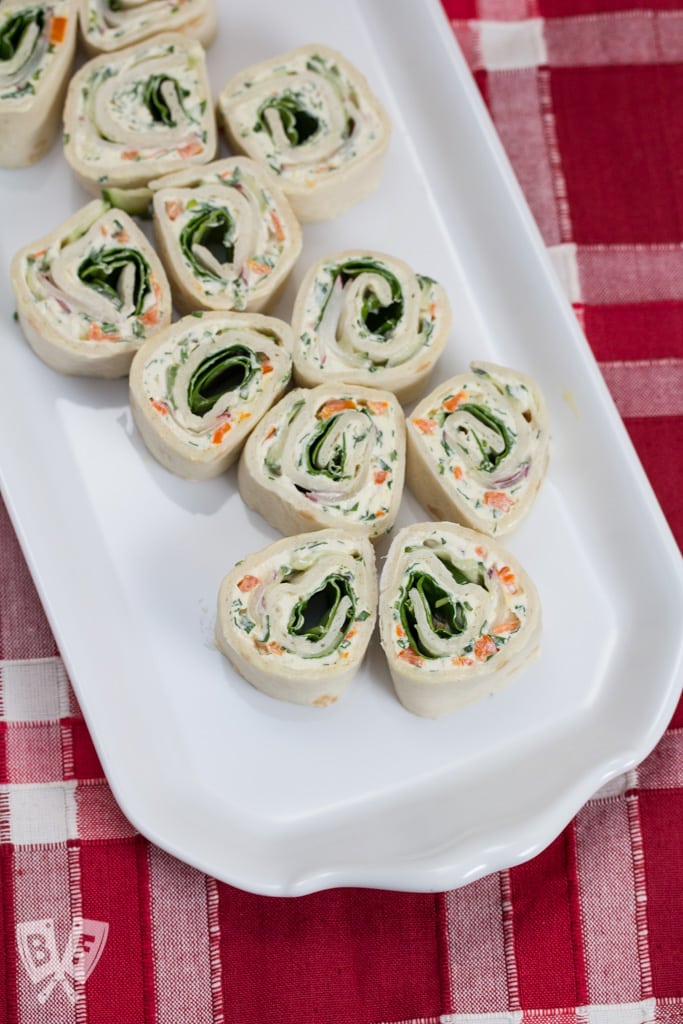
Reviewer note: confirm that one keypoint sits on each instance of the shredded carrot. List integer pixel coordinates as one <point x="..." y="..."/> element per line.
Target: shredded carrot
<point x="156" y="287"/>
<point x="271" y="433"/>
<point x="151" y="317"/>
<point x="122" y="236"/>
<point x="190" y="149"/>
<point x="498" y="499"/>
<point x="248" y="583"/>
<point x="454" y="401"/>
<point x="160" y="406"/>
<point x="97" y="334"/>
<point x="277" y="224"/>
<point x="104" y="230"/>
<point x="257" y="268"/>
<point x="432" y="311"/>
<point x="480" y="551"/>
<point x="379" y="513"/>
<point x="351" y="633"/>
<point x="484" y="647"/>
<point x="39" y="255"/>
<point x="266" y="367"/>
<point x="378" y="408"/>
<point x="400" y="631"/>
<point x="409" y="655"/>
<point x="220" y="432"/>
<point x="380" y="476"/>
<point x="508" y="578"/>
<point x="243" y="416"/>
<point x="272" y="648"/>
<point x="457" y="473"/>
<point x="173" y="208"/>
<point x="462" y="660"/>
<point x="58" y="30"/>
<point x="425" y="426"/>
<point x="130" y="154"/>
<point x="334" y="406"/>
<point x="510" y="625"/>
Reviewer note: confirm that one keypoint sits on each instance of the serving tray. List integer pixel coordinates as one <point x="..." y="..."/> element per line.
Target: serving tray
<point x="281" y="799"/>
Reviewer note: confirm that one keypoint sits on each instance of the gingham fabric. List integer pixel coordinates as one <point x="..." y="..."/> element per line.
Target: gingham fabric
<point x="586" y="95"/>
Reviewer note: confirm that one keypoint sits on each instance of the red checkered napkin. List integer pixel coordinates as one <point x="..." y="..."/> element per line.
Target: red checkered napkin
<point x="99" y="926"/>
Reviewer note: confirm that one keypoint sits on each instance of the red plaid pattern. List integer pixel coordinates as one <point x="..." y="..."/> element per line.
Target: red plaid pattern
<point x="586" y="97"/>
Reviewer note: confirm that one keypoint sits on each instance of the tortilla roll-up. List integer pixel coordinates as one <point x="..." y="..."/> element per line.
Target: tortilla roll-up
<point x="227" y="237"/>
<point x="327" y="457"/>
<point x="199" y="388"/>
<point x="107" y="26"/>
<point x="366" y="318"/>
<point x="296" y="618"/>
<point x="138" y="114"/>
<point x="458" y="617"/>
<point x="37" y="45"/>
<point x="310" y="117"/>
<point x="90" y="293"/>
<point x="478" y="448"/>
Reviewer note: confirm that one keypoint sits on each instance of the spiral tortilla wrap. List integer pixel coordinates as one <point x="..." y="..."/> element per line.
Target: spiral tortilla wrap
<point x="198" y="389"/>
<point x="138" y="114"/>
<point x="37" y="45"/>
<point x="478" y="448"/>
<point x="296" y="618"/>
<point x="310" y="117"/>
<point x="227" y="237"/>
<point x="458" y="617"/>
<point x="106" y="27"/>
<point x="364" y="317"/>
<point x="327" y="457"/>
<point x="90" y="293"/>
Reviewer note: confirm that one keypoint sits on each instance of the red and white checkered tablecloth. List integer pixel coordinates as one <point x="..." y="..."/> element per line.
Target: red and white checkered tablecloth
<point x="587" y="98"/>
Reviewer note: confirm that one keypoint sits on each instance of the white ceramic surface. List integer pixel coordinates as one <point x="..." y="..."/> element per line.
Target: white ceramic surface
<point x="281" y="799"/>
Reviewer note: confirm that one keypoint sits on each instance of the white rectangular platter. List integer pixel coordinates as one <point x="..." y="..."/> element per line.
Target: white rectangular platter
<point x="282" y="799"/>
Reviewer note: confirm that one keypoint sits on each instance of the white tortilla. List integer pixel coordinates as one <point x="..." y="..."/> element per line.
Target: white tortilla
<point x="202" y="445"/>
<point x="501" y="619"/>
<point x="336" y="165"/>
<point x="356" y="434"/>
<point x="72" y="326"/>
<point x="104" y="29"/>
<point x="332" y="341"/>
<point x="449" y="471"/>
<point x="264" y="232"/>
<point x="111" y="138"/>
<point x="33" y="81"/>
<point x="257" y="602"/>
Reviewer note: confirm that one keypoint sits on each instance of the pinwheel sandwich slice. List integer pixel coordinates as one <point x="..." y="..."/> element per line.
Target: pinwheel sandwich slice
<point x="365" y="317"/>
<point x="37" y="44"/>
<point x="478" y="448"/>
<point x="90" y="293"/>
<point x="108" y="25"/>
<point x="138" y="114"/>
<point x="458" y="617"/>
<point x="330" y="457"/>
<point x="201" y="386"/>
<point x="295" y="619"/>
<point x="311" y="118"/>
<point x="227" y="236"/>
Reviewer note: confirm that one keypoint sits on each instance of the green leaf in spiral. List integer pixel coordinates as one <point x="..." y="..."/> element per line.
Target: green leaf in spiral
<point x="334" y="467"/>
<point x="102" y="271"/>
<point x="380" y="320"/>
<point x="227" y="370"/>
<point x="13" y="31"/>
<point x="312" y="615"/>
<point x="155" y="100"/>
<point x="446" y="615"/>
<point x="490" y="458"/>
<point x="213" y="228"/>
<point x="298" y="123"/>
